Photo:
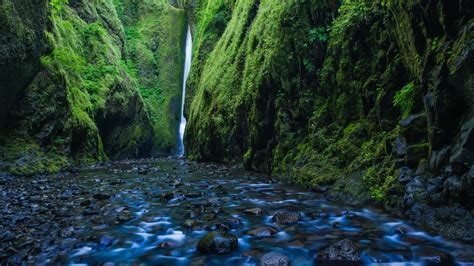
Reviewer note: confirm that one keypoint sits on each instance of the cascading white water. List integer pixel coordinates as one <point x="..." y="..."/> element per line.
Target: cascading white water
<point x="187" y="67"/>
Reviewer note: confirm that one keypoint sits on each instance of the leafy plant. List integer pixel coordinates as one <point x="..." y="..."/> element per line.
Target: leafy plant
<point x="435" y="44"/>
<point x="308" y="65"/>
<point x="318" y="34"/>
<point x="405" y="99"/>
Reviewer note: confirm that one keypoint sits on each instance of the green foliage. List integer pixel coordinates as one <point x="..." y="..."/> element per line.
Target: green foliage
<point x="318" y="34"/>
<point x="435" y="44"/>
<point x="380" y="180"/>
<point x="308" y="65"/>
<point x="57" y="6"/>
<point x="90" y="69"/>
<point x="405" y="99"/>
<point x="350" y="12"/>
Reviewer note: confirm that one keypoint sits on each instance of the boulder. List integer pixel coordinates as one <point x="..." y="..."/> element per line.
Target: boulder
<point x="415" y="128"/>
<point x="218" y="243"/>
<point x="263" y="231"/>
<point x="286" y="217"/>
<point x="462" y="153"/>
<point x="274" y="259"/>
<point x="341" y="252"/>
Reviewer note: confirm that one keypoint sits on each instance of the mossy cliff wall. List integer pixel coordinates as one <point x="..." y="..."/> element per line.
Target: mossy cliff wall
<point x="86" y="87"/>
<point x="21" y="44"/>
<point x="368" y="100"/>
<point x="155" y="35"/>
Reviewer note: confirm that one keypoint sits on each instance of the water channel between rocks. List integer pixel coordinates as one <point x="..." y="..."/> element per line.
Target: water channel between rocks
<point x="156" y="211"/>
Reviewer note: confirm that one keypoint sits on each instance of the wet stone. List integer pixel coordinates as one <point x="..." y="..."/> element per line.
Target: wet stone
<point x="101" y="196"/>
<point x="86" y="202"/>
<point x="201" y="203"/>
<point x="67" y="232"/>
<point x="125" y="216"/>
<point x="142" y="171"/>
<point x="274" y="259"/>
<point x="341" y="251"/>
<point x="193" y="195"/>
<point x="401" y="230"/>
<point x="222" y="226"/>
<point x="431" y="256"/>
<point x="167" y="244"/>
<point x="254" y="211"/>
<point x="6" y="236"/>
<point x="263" y="231"/>
<point x="106" y="241"/>
<point x="218" y="243"/>
<point x="167" y="196"/>
<point x="189" y="223"/>
<point x="317" y="215"/>
<point x="286" y="217"/>
<point x="233" y="222"/>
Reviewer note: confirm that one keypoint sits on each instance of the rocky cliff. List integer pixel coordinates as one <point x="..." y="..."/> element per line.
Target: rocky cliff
<point x="83" y="81"/>
<point x="365" y="100"/>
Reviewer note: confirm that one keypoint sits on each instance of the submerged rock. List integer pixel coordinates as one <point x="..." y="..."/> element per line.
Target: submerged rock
<point x="343" y="251"/>
<point x="274" y="259"/>
<point x="106" y="241"/>
<point x="222" y="226"/>
<point x="218" y="243"/>
<point x="263" y="231"/>
<point x="233" y="222"/>
<point x="254" y="211"/>
<point x="142" y="171"/>
<point x="125" y="216"/>
<point x="101" y="196"/>
<point x="434" y="257"/>
<point x="167" y="196"/>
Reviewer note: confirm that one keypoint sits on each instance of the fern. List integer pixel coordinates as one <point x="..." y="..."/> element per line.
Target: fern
<point x="405" y="99"/>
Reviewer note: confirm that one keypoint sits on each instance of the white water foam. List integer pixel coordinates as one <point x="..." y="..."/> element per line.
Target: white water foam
<point x="187" y="68"/>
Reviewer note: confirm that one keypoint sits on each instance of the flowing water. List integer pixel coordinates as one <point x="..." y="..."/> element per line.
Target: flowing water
<point x="155" y="212"/>
<point x="187" y="68"/>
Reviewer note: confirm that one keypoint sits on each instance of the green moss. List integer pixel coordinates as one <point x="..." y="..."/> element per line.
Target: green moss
<point x="24" y="156"/>
<point x="379" y="179"/>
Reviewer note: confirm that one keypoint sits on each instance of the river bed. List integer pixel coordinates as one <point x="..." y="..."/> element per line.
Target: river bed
<point x="156" y="211"/>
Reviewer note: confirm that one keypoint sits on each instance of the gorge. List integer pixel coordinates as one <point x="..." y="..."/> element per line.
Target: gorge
<point x="236" y="132"/>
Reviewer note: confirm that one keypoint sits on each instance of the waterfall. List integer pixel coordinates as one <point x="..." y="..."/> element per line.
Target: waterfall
<point x="187" y="67"/>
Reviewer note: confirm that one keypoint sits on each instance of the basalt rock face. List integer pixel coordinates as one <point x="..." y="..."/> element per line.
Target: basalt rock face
<point x="371" y="100"/>
<point x="71" y="88"/>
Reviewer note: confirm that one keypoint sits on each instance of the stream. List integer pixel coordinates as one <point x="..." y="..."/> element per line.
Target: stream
<point x="156" y="211"/>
